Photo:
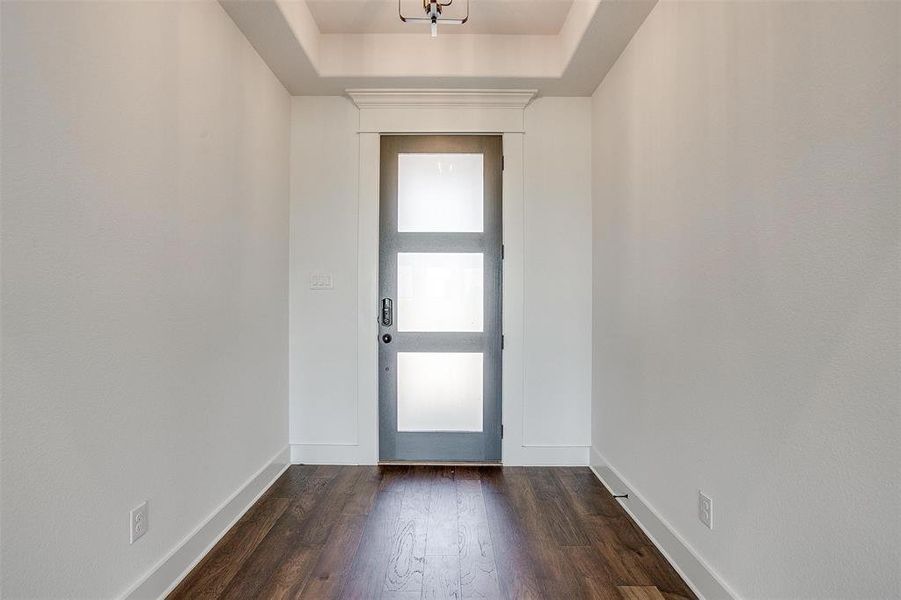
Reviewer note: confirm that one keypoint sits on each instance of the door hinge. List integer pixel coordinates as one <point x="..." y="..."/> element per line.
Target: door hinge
<point x="502" y="431"/>
<point x="502" y="341"/>
<point x="502" y="163"/>
<point x="502" y="252"/>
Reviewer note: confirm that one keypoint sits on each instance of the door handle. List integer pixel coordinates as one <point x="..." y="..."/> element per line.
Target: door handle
<point x="387" y="312"/>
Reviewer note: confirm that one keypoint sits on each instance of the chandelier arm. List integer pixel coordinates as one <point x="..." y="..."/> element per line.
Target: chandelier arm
<point x="459" y="21"/>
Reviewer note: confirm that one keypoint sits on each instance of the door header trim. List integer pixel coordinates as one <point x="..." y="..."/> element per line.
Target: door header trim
<point x="440" y="98"/>
<point x="441" y="111"/>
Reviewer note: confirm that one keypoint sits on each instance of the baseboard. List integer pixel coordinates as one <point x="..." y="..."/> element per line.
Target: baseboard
<point x="326" y="454"/>
<point x="702" y="579"/>
<point x="514" y="456"/>
<point x="545" y="456"/>
<point x="169" y="572"/>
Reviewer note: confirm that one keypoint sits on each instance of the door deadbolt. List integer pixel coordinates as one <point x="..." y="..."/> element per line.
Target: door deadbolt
<point x="386" y="338"/>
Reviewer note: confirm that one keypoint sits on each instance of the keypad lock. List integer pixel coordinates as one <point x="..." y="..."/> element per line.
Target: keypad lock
<point x="387" y="312"/>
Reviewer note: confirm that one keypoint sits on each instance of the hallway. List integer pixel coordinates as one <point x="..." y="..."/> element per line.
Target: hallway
<point x="397" y="532"/>
<point x="268" y="268"/>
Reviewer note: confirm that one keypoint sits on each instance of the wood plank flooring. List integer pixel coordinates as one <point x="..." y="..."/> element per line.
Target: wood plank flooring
<point x="417" y="532"/>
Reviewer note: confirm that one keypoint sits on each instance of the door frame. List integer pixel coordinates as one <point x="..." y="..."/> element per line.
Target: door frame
<point x="452" y="112"/>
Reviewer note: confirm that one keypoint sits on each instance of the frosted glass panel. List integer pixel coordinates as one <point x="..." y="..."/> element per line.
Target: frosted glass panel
<point x="439" y="291"/>
<point x="439" y="391"/>
<point x="439" y="192"/>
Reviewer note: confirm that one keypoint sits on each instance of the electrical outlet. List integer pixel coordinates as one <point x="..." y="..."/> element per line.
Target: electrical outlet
<point x="138" y="522"/>
<point x="321" y="281"/>
<point x="705" y="510"/>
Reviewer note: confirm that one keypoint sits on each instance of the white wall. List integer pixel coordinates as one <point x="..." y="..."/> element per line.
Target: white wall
<point x="144" y="297"/>
<point x="325" y="414"/>
<point x="324" y="165"/>
<point x="557" y="260"/>
<point x="746" y="285"/>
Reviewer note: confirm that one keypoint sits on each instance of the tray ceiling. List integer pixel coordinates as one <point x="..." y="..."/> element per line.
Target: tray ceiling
<point x="324" y="47"/>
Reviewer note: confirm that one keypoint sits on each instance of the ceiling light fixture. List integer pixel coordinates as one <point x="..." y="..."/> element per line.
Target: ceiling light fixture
<point x="433" y="10"/>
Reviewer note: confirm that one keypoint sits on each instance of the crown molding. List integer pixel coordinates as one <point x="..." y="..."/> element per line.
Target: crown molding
<point x="438" y="98"/>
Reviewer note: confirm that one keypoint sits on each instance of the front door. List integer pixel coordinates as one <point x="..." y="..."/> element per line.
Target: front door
<point x="440" y="298"/>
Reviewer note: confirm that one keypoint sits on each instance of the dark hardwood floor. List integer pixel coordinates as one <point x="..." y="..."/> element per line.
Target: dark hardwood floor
<point x="405" y="532"/>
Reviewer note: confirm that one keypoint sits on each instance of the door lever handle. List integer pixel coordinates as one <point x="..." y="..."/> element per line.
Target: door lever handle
<point x="387" y="312"/>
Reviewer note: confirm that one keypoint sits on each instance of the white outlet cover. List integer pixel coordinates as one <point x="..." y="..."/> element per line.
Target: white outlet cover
<point x="705" y="510"/>
<point x="138" y="522"/>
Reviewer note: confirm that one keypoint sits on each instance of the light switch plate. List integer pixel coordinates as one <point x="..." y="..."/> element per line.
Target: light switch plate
<point x="321" y="281"/>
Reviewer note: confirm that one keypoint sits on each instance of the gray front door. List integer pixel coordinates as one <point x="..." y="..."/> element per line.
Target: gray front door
<point x="440" y="298"/>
